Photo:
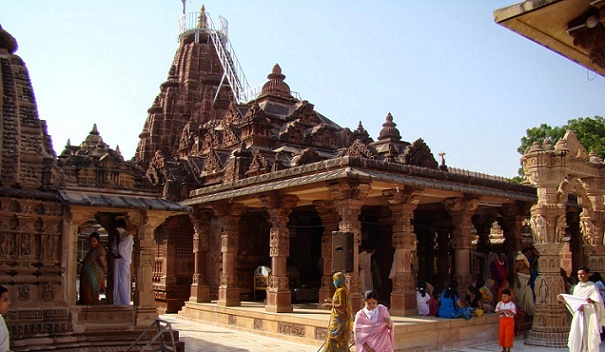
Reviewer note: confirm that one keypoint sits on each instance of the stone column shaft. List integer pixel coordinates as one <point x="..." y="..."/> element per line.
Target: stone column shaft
<point x="73" y="219"/>
<point x="200" y="290"/>
<point x="402" y="205"/>
<point x="461" y="210"/>
<point x="279" y="207"/>
<point x="229" y="216"/>
<point x="329" y="219"/>
<point x="348" y="198"/>
<point x="548" y="169"/>
<point x="144" y="259"/>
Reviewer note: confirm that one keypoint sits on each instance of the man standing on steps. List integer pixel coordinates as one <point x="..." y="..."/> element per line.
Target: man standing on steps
<point x="121" y="249"/>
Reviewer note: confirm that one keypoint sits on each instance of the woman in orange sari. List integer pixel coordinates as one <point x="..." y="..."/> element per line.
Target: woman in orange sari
<point x="92" y="272"/>
<point x="341" y="318"/>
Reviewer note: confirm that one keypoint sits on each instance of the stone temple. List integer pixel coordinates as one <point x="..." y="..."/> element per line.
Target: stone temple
<point x="244" y="203"/>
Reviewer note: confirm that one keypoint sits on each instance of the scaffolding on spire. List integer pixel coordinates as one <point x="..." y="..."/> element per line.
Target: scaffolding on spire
<point x="201" y="22"/>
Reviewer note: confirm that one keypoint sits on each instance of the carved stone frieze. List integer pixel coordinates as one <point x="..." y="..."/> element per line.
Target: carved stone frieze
<point x="359" y="150"/>
<point x="291" y="329"/>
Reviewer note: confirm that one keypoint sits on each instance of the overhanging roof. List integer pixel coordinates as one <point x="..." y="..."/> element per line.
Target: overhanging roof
<point x="225" y="192"/>
<point x="120" y="201"/>
<point x="547" y="22"/>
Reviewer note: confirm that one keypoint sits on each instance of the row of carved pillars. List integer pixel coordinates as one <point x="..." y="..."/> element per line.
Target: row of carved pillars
<point x="145" y="223"/>
<point x="341" y="212"/>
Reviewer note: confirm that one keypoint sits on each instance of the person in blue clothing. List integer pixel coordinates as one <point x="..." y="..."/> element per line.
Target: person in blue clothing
<point x="450" y="306"/>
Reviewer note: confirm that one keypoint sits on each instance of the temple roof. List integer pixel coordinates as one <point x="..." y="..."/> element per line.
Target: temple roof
<point x="572" y="28"/>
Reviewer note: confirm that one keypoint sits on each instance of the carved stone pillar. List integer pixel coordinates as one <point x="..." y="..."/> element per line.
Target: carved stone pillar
<point x="329" y="220"/>
<point x="444" y="261"/>
<point x="229" y="216"/>
<point x="512" y="224"/>
<point x="592" y="220"/>
<point x="402" y="205"/>
<point x="200" y="290"/>
<point x="73" y="219"/>
<point x="461" y="210"/>
<point x="144" y="296"/>
<point x="483" y="224"/>
<point x="546" y="168"/>
<point x="349" y="197"/>
<point x="279" y="207"/>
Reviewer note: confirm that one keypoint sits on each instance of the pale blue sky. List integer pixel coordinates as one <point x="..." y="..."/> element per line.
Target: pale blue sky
<point x="445" y="70"/>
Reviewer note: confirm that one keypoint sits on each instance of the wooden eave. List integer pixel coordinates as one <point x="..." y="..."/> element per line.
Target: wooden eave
<point x="546" y="23"/>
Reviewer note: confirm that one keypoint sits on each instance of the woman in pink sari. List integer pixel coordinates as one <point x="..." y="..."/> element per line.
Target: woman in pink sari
<point x="374" y="330"/>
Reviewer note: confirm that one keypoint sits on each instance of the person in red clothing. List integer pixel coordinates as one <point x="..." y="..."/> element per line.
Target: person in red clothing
<point x="506" y="310"/>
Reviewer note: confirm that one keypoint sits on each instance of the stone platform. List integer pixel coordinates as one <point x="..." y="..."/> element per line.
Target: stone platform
<point x="308" y="325"/>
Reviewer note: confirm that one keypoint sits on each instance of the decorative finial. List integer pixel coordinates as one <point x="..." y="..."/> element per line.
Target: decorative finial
<point x="442" y="167"/>
<point x="389" y="129"/>
<point x="202" y="22"/>
<point x="94" y="130"/>
<point x="360" y="127"/>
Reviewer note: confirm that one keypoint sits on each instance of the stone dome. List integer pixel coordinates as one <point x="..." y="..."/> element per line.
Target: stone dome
<point x="276" y="85"/>
<point x="389" y="130"/>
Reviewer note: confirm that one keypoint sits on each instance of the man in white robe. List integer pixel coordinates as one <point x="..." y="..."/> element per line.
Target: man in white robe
<point x="122" y="250"/>
<point x="586" y="306"/>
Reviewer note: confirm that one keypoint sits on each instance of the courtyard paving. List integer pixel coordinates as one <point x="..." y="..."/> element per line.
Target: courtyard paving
<point x="212" y="338"/>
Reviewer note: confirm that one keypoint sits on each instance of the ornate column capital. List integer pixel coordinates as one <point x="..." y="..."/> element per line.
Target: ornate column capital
<point x="349" y="190"/>
<point x="409" y="196"/>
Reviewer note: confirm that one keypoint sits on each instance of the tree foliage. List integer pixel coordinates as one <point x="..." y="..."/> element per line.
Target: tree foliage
<point x="589" y="130"/>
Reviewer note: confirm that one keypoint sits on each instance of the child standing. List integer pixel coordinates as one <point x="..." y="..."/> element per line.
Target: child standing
<point x="506" y="310"/>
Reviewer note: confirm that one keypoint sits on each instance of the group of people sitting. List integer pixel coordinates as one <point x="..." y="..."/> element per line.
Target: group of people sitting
<point x="478" y="299"/>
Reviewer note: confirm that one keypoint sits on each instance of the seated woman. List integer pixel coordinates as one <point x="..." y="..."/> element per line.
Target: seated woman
<point x="373" y="326"/>
<point x="450" y="306"/>
<point x="425" y="303"/>
<point x="422" y="299"/>
<point x="473" y="300"/>
<point x="487" y="295"/>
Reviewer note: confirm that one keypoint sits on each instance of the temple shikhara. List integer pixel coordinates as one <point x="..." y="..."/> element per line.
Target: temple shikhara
<point x="243" y="204"/>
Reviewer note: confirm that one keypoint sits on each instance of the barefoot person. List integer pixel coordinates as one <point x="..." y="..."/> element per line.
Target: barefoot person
<point x="373" y="326"/>
<point x="341" y="317"/>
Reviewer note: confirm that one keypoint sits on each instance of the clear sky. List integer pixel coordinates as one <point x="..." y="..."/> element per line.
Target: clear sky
<point x="444" y="69"/>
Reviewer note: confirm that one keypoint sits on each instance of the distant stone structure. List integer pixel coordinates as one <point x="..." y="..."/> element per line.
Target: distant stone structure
<point x="269" y="174"/>
<point x="225" y="182"/>
<point x="45" y="203"/>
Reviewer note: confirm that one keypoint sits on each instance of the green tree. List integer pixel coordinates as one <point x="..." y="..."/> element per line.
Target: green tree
<point x="589" y="130"/>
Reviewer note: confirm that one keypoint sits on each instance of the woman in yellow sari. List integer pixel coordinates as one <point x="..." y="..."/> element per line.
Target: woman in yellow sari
<point x="92" y="272"/>
<point x="341" y="318"/>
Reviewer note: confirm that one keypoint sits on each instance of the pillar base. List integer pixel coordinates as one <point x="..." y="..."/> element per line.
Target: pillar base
<point x="200" y="293"/>
<point x="228" y="297"/>
<point x="547" y="339"/>
<point x="403" y="304"/>
<point x="357" y="301"/>
<point x="279" y="301"/>
<point x="146" y="315"/>
<point x="324" y="294"/>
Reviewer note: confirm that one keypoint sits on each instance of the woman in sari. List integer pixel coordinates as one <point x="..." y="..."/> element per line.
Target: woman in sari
<point x="450" y="306"/>
<point x="92" y="272"/>
<point x="341" y="317"/>
<point x="373" y="326"/>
